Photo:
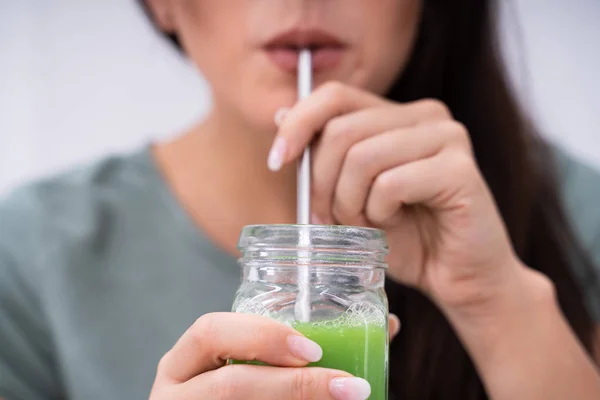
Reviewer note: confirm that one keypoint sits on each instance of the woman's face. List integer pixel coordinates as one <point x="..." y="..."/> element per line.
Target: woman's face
<point x="248" y="49"/>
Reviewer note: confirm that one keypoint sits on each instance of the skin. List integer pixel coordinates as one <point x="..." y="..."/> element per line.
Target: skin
<point x="405" y="168"/>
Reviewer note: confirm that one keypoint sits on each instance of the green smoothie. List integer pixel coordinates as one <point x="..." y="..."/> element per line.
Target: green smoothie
<point x="360" y="350"/>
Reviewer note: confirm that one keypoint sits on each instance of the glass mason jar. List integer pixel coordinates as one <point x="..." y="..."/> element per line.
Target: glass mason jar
<point x="328" y="283"/>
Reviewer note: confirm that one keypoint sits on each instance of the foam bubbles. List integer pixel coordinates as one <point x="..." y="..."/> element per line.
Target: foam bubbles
<point x="358" y="314"/>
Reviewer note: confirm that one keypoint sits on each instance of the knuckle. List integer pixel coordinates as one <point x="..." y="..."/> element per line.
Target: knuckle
<point x="305" y="384"/>
<point x="435" y="108"/>
<point x="337" y="131"/>
<point x="204" y="327"/>
<point x="163" y="363"/>
<point x="359" y="156"/>
<point x="384" y="183"/>
<point x="334" y="90"/>
<point x="457" y="132"/>
<point x="462" y="164"/>
<point x="205" y="331"/>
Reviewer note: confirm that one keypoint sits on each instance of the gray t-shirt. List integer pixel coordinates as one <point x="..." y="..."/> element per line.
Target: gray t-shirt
<point x="101" y="271"/>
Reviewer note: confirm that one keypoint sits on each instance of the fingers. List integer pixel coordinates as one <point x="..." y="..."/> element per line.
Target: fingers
<point x="217" y="337"/>
<point x="330" y="110"/>
<point x="248" y="382"/>
<point x="440" y="181"/>
<point x="310" y="115"/>
<point x="345" y="199"/>
<point x="342" y="134"/>
<point x="394" y="326"/>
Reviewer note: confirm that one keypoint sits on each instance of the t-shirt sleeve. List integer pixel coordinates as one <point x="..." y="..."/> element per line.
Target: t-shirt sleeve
<point x="27" y="367"/>
<point x="593" y="291"/>
<point x="580" y="187"/>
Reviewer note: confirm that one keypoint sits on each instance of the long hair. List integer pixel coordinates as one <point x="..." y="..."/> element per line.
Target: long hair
<point x="457" y="60"/>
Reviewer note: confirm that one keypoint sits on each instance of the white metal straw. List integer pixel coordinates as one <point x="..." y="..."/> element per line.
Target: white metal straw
<point x="302" y="307"/>
<point x="304" y="89"/>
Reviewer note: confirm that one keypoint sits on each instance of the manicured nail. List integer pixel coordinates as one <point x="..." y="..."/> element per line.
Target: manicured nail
<point x="280" y="115"/>
<point x="277" y="154"/>
<point x="304" y="348"/>
<point x="350" y="389"/>
<point x="315" y="220"/>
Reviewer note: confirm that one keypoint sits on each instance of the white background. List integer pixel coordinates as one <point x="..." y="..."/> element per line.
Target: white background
<point x="82" y="78"/>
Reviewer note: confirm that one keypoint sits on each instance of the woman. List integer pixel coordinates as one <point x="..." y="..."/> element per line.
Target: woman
<point x="415" y="132"/>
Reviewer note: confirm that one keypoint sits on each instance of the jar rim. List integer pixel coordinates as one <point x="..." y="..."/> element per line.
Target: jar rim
<point x="308" y="237"/>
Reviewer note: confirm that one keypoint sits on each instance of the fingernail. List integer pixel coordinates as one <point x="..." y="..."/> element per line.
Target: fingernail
<point x="277" y="154"/>
<point x="350" y="389"/>
<point x="304" y="348"/>
<point x="315" y="220"/>
<point x="280" y="115"/>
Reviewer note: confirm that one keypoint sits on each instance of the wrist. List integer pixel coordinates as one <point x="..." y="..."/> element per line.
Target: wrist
<point x="523" y="293"/>
<point x="522" y="333"/>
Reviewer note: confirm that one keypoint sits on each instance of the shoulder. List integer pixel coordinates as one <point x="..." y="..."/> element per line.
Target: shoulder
<point x="52" y="230"/>
<point x="579" y="184"/>
<point x="44" y="217"/>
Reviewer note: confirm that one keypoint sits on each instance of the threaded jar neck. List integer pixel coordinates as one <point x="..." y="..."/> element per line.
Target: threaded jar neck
<point x="313" y="245"/>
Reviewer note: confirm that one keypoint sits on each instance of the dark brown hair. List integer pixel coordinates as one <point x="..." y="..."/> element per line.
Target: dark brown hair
<point x="457" y="60"/>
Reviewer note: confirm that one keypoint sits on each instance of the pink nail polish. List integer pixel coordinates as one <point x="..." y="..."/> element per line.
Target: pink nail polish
<point x="350" y="389"/>
<point x="280" y="115"/>
<point x="277" y="154"/>
<point x="304" y="348"/>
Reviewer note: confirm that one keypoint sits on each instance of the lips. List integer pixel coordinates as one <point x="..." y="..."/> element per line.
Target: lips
<point x="284" y="49"/>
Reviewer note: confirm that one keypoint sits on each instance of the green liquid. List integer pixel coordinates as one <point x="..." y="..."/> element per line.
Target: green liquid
<point x="360" y="350"/>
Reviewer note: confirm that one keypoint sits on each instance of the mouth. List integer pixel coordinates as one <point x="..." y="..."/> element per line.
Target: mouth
<point x="284" y="49"/>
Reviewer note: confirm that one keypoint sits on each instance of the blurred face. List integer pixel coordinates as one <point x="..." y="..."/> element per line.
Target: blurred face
<point x="248" y="49"/>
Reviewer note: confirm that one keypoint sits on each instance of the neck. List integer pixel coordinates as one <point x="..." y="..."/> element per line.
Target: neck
<point x="218" y="171"/>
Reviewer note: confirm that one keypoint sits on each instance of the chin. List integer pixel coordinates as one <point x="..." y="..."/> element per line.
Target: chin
<point x="261" y="122"/>
<point x="263" y="108"/>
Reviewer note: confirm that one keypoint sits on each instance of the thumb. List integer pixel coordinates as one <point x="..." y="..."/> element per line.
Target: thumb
<point x="394" y="323"/>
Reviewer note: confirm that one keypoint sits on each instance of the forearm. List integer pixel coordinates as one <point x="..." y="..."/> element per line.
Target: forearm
<point x="524" y="348"/>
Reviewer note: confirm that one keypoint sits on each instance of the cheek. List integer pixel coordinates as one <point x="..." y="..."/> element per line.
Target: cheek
<point x="208" y="30"/>
<point x="217" y="38"/>
<point x="212" y="33"/>
<point x="390" y="40"/>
